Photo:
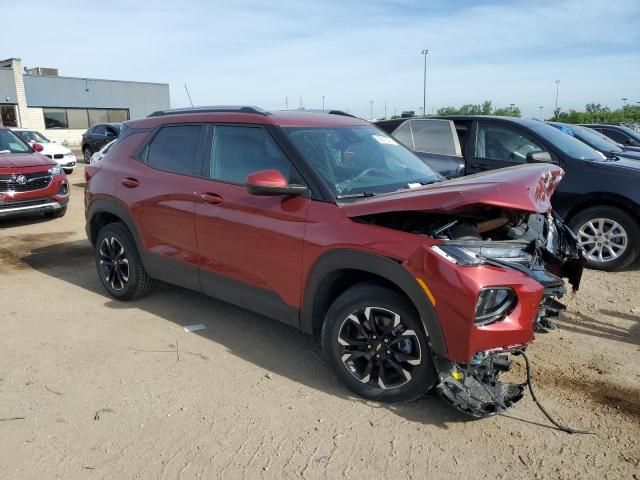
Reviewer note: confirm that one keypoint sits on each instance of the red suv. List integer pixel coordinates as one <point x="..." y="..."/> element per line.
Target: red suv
<point x="324" y="222"/>
<point x="30" y="183"/>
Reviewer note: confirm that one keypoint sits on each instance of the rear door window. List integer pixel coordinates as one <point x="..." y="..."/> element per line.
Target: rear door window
<point x="99" y="130"/>
<point x="176" y="148"/>
<point x="614" y="135"/>
<point x="435" y="136"/>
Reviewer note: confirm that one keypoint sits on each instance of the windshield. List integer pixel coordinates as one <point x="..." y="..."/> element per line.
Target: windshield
<point x="32" y="136"/>
<point x="10" y="143"/>
<point x="595" y="139"/>
<point x="564" y="142"/>
<point x="360" y="159"/>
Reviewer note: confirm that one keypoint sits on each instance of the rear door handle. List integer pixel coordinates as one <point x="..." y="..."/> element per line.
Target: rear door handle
<point x="130" y="182"/>
<point x="211" y="198"/>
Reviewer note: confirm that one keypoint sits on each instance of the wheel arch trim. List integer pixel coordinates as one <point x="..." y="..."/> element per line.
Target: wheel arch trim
<point x="387" y="268"/>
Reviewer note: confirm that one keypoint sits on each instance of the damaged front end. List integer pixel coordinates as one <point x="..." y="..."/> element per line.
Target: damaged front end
<point x="493" y="261"/>
<point x="475" y="389"/>
<point x="539" y="245"/>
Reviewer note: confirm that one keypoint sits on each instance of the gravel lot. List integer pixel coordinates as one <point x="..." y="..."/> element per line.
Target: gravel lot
<point x="94" y="388"/>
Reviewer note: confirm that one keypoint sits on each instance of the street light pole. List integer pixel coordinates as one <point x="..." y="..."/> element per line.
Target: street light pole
<point x="322" y="103"/>
<point x="371" y="106"/>
<point x="424" y="52"/>
<point x="557" y="82"/>
<point x="541" y="114"/>
<point x="624" y="101"/>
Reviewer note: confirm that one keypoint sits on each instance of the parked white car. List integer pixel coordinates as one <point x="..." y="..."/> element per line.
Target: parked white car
<point x="96" y="157"/>
<point x="61" y="154"/>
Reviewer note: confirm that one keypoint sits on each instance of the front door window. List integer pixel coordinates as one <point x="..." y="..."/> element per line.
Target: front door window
<point x="503" y="143"/>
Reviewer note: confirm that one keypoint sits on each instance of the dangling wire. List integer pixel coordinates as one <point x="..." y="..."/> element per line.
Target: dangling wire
<point x="542" y="409"/>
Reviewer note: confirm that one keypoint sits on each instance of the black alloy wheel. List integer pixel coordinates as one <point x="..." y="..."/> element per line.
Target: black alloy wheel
<point x="119" y="264"/>
<point x="114" y="264"/>
<point x="378" y="349"/>
<point x="374" y="339"/>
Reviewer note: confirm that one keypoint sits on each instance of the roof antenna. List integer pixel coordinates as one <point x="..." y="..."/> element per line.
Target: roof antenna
<point x="188" y="95"/>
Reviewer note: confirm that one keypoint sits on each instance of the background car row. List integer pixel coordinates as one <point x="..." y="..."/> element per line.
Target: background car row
<point x="599" y="196"/>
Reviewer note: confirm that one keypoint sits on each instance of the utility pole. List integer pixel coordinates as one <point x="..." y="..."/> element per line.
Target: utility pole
<point x="322" y="103"/>
<point x="371" y="106"/>
<point x="385" y="109"/>
<point x="557" y="82"/>
<point x="286" y="103"/>
<point x="424" y="52"/>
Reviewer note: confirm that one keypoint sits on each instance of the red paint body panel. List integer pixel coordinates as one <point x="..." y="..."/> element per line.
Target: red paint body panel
<point x="526" y="187"/>
<point x="257" y="240"/>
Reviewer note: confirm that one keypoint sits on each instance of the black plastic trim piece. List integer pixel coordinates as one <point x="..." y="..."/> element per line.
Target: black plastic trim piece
<point x="211" y="109"/>
<point x="259" y="300"/>
<point x="337" y="260"/>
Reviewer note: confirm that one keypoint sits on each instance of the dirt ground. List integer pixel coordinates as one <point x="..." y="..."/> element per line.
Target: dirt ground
<point x="94" y="388"/>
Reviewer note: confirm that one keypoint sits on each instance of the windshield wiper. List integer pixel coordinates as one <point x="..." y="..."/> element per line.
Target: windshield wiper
<point x="356" y="195"/>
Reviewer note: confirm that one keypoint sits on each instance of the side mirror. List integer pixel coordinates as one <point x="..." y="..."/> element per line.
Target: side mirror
<point x="540" y="157"/>
<point x="111" y="134"/>
<point x="271" y="182"/>
<point x="37" y="147"/>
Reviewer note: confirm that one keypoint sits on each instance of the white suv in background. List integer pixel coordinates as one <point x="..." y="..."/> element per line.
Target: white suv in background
<point x="62" y="155"/>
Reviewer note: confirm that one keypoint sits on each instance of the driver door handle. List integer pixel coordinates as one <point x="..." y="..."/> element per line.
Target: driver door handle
<point x="211" y="198"/>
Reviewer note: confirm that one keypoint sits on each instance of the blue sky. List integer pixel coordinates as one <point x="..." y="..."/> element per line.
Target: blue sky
<point x="259" y="52"/>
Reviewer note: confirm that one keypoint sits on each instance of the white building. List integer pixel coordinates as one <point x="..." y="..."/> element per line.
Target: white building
<point x="62" y="108"/>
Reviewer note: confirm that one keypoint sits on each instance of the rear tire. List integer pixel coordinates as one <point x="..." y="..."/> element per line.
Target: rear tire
<point x="119" y="264"/>
<point x="373" y="338"/>
<point x="609" y="236"/>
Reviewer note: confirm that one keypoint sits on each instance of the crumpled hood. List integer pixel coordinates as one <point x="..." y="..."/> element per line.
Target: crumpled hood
<point x="526" y="187"/>
<point x="19" y="160"/>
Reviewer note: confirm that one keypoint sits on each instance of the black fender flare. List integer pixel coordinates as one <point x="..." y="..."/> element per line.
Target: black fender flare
<point x="379" y="265"/>
<point x="102" y="205"/>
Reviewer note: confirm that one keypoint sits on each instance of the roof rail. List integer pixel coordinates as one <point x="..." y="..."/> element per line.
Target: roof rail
<point x="340" y="112"/>
<point x="212" y="109"/>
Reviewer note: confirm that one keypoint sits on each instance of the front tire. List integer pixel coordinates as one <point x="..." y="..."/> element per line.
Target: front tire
<point x="119" y="264"/>
<point x="610" y="237"/>
<point x="87" y="152"/>
<point x="374" y="340"/>
<point x="68" y="171"/>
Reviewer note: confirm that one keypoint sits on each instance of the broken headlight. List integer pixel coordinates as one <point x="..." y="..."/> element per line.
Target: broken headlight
<point x="474" y="254"/>
<point x="494" y="303"/>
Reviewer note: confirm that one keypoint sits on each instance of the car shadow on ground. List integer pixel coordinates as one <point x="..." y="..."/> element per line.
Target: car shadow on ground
<point x="22" y="221"/>
<point x="584" y="324"/>
<point x="262" y="341"/>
